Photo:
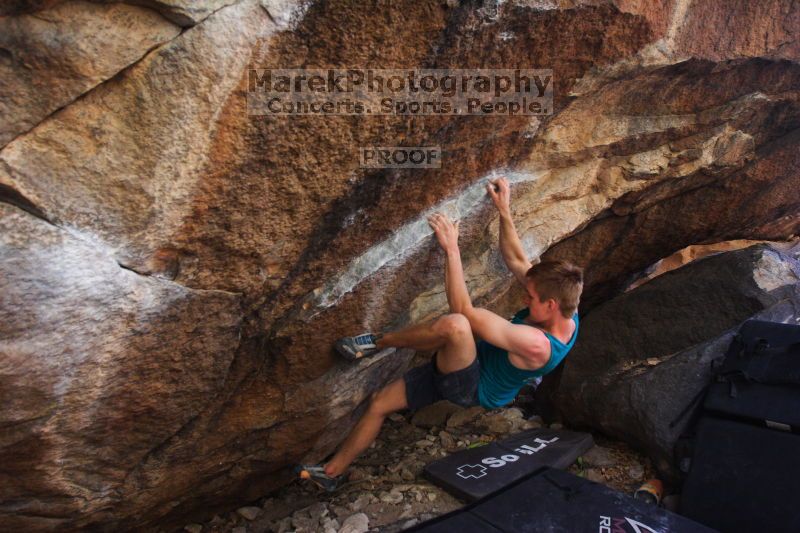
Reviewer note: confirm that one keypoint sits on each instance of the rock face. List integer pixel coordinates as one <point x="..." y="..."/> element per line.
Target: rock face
<point x="144" y="207"/>
<point x="88" y="389"/>
<point x="182" y="12"/>
<point x="643" y="356"/>
<point x="51" y="60"/>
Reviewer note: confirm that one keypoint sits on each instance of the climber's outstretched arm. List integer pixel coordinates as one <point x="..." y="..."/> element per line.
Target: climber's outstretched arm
<point x="456" y="288"/>
<point x="510" y="245"/>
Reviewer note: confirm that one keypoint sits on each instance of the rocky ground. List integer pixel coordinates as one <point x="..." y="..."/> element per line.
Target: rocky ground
<point x="386" y="492"/>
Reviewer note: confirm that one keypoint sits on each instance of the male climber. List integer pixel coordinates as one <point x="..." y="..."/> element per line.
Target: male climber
<point x="509" y="354"/>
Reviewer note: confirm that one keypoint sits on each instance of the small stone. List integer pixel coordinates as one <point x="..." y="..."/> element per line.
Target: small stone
<point x="594" y="474"/>
<point x="430" y="438"/>
<point x="652" y="361"/>
<point x="301" y="521"/>
<point x="599" y="456"/>
<point x="330" y="524"/>
<point x="636" y="472"/>
<point x="249" y="513"/>
<point x="193" y="528"/>
<point x="285" y="525"/>
<point x="446" y="439"/>
<point x="424" y="443"/>
<point x="431" y="496"/>
<point x="513" y="413"/>
<point x="459" y="418"/>
<point x="391" y="497"/>
<point x="409" y="523"/>
<point x="357" y="474"/>
<point x="357" y="523"/>
<point x="530" y="424"/>
<point x="495" y="423"/>
<point x="407" y="474"/>
<point x="418" y="496"/>
<point x="435" y="414"/>
<point x="361" y="502"/>
<point x="408" y="512"/>
<point x="317" y="511"/>
<point x="556" y="425"/>
<point x="397" y="417"/>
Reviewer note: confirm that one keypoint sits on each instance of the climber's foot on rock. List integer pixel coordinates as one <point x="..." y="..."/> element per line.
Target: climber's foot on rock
<point x="353" y="348"/>
<point x="316" y="474"/>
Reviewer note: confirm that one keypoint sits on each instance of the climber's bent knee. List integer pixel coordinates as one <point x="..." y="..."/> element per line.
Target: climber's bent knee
<point x="453" y="325"/>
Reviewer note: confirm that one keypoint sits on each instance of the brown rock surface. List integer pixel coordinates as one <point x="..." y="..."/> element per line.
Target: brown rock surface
<point x="271" y="228"/>
<point x="90" y="391"/>
<point x="48" y="60"/>
<point x="182" y="12"/>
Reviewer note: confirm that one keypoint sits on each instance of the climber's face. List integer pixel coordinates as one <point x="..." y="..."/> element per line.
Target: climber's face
<point x="540" y="311"/>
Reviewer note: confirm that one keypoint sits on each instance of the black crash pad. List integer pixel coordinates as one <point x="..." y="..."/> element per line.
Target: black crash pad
<point x="743" y="478"/>
<point x="474" y="473"/>
<point x="557" y="501"/>
<point x="759" y="380"/>
<point x="457" y="522"/>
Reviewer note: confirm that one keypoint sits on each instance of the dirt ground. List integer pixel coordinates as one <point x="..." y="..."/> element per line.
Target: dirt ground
<point x="385" y="491"/>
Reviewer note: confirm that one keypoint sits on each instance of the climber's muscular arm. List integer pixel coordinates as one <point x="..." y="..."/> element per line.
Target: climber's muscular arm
<point x="455" y="287"/>
<point x="527" y="342"/>
<point x="510" y="245"/>
<point x="524" y="341"/>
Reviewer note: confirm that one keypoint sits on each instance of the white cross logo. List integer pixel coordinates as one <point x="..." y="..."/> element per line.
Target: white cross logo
<point x="471" y="471"/>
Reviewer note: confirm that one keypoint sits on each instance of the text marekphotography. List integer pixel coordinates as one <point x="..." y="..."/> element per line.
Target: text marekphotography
<point x="490" y="92"/>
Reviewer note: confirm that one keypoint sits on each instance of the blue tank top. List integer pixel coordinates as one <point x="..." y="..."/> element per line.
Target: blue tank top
<point x="500" y="381"/>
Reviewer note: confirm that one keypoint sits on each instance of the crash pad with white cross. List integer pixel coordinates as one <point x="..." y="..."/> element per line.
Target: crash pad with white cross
<point x="474" y="473"/>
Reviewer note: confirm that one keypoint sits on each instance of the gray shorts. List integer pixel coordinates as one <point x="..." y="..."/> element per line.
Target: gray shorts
<point x="426" y="385"/>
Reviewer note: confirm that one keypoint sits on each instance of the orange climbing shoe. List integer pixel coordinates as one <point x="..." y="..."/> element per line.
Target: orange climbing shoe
<point x="317" y="475"/>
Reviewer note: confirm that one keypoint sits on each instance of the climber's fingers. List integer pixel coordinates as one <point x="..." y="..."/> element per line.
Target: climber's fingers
<point x="439" y="220"/>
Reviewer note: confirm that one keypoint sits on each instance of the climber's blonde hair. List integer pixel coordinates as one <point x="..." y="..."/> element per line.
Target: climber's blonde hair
<point x="560" y="280"/>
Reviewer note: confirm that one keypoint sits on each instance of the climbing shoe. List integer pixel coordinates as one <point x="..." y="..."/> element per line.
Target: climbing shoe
<point x="353" y="348"/>
<point x="316" y="473"/>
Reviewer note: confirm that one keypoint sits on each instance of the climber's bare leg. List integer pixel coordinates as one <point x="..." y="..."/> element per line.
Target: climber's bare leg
<point x="389" y="399"/>
<point x="451" y="335"/>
